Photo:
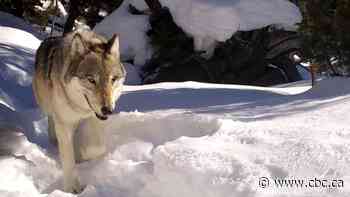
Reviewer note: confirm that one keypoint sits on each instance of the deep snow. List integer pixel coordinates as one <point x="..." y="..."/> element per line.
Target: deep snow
<point x="181" y="139"/>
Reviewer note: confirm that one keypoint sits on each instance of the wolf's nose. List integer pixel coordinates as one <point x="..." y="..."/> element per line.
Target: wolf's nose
<point x="106" y="111"/>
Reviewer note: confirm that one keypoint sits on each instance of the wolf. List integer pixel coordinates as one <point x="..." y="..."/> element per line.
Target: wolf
<point x="78" y="78"/>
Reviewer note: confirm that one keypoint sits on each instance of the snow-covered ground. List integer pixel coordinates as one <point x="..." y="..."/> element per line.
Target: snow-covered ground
<point x="180" y="139"/>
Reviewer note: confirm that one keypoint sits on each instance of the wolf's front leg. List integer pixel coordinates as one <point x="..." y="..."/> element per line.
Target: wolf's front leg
<point x="65" y="134"/>
<point x="91" y="139"/>
<point x="51" y="131"/>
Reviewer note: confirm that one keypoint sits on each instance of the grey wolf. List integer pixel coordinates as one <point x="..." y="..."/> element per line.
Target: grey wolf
<point x="77" y="78"/>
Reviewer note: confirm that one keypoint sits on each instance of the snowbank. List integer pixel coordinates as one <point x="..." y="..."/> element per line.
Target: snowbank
<point x="17" y="49"/>
<point x="9" y="20"/>
<point x="199" y="139"/>
<point x="132" y="75"/>
<point x="209" y="21"/>
<point x="16" y="31"/>
<point x="132" y="31"/>
<point x="20" y="37"/>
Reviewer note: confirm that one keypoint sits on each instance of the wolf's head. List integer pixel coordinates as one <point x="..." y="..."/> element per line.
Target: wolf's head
<point x="96" y="67"/>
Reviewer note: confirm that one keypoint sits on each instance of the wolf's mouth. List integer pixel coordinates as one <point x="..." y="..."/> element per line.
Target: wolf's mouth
<point x="101" y="117"/>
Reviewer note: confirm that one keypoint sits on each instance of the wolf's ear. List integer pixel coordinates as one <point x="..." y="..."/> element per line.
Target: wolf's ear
<point x="113" y="46"/>
<point x="78" y="46"/>
<point x="77" y="51"/>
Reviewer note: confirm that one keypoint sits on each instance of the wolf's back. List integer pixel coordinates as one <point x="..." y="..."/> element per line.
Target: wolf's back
<point x="49" y="54"/>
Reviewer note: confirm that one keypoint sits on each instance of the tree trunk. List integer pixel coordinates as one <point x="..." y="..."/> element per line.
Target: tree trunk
<point x="19" y="8"/>
<point x="92" y="17"/>
<point x="74" y="13"/>
<point x="153" y="5"/>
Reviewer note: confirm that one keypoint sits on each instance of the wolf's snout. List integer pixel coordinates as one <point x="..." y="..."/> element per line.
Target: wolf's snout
<point x="106" y="111"/>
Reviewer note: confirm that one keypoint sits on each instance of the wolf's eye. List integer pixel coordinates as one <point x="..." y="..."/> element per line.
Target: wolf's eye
<point x="91" y="80"/>
<point x="114" y="79"/>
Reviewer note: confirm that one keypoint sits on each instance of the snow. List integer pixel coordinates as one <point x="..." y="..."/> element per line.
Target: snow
<point x="47" y="3"/>
<point x="16" y="61"/>
<point x="206" y="140"/>
<point x="8" y="20"/>
<point x="24" y="38"/>
<point x="212" y="21"/>
<point x="305" y="74"/>
<point x="133" y="76"/>
<point x="199" y="19"/>
<point x="134" y="44"/>
<point x="180" y="139"/>
<point x="139" y="4"/>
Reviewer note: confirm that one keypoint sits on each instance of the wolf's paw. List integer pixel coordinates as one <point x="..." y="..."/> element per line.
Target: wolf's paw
<point x="78" y="189"/>
<point x="74" y="188"/>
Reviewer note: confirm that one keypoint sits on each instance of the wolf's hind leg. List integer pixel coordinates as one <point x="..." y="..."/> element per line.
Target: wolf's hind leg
<point x="52" y="131"/>
<point x="91" y="140"/>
